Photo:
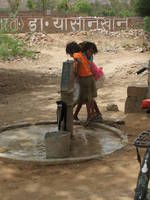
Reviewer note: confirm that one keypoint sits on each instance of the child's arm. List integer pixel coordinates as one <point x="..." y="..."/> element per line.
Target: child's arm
<point x="76" y="65"/>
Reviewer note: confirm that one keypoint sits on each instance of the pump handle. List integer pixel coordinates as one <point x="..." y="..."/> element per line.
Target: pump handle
<point x="141" y="70"/>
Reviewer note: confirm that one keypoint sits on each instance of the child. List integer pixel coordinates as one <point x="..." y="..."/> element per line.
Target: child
<point x="88" y="49"/>
<point x="98" y="75"/>
<point x="85" y="76"/>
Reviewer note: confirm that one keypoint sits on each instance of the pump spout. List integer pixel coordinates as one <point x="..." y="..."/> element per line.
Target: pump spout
<point x="61" y="115"/>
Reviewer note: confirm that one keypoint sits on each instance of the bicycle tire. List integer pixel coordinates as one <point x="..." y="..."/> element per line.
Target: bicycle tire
<point x="143" y="178"/>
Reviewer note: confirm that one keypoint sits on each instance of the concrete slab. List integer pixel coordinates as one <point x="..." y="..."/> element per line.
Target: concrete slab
<point x="26" y="143"/>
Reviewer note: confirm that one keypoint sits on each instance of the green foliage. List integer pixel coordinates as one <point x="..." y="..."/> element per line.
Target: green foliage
<point x="14" y="5"/>
<point x="122" y="8"/>
<point x="143" y="7"/>
<point x="126" y="13"/>
<point x="147" y="24"/>
<point x="82" y="6"/>
<point x="50" y="4"/>
<point x="45" y="4"/>
<point x="41" y="5"/>
<point x="106" y="12"/>
<point x="62" y="5"/>
<point x="31" y="4"/>
<point x="10" y="47"/>
<point x="116" y="8"/>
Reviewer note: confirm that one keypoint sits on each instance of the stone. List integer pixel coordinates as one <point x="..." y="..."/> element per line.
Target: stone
<point x="135" y="95"/>
<point x="140" y="50"/>
<point x="133" y="104"/>
<point x="137" y="90"/>
<point x="119" y="121"/>
<point x="112" y="107"/>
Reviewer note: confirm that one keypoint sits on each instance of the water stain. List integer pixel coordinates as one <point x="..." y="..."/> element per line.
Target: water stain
<point x="28" y="142"/>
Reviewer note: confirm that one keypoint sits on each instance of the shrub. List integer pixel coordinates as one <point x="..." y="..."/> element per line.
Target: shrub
<point x="126" y="13"/>
<point x="143" y="7"/>
<point x="147" y="24"/>
<point x="62" y="5"/>
<point x="82" y="6"/>
<point x="31" y="5"/>
<point x="107" y="12"/>
<point x="10" y="47"/>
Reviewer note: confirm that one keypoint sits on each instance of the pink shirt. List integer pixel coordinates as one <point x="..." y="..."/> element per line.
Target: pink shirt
<point x="96" y="71"/>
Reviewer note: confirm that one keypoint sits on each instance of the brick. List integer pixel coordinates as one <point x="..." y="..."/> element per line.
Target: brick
<point x="135" y="91"/>
<point x="133" y="104"/>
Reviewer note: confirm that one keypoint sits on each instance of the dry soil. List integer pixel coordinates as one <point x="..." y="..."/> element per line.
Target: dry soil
<point x="29" y="89"/>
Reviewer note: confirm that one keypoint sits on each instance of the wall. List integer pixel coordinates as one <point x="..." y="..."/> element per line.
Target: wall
<point x="57" y="24"/>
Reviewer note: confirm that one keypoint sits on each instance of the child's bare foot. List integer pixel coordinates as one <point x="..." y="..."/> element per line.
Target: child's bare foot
<point x="98" y="118"/>
<point x="89" y="119"/>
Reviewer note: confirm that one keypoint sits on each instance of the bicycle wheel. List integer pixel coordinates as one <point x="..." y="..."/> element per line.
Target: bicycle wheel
<point x="143" y="178"/>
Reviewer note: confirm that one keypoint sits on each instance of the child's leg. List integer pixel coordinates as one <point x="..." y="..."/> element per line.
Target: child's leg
<point x="92" y="109"/>
<point x="96" y="108"/>
<point x="78" y="108"/>
<point x="98" y="113"/>
<point x="88" y="108"/>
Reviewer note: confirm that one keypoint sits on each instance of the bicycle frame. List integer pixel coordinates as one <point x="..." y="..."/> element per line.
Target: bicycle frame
<point x="143" y="178"/>
<point x="144" y="174"/>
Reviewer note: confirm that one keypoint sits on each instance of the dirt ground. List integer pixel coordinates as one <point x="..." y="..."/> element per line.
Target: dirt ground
<point x="29" y="89"/>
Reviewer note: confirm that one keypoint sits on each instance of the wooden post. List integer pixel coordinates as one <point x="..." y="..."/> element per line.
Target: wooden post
<point x="67" y="83"/>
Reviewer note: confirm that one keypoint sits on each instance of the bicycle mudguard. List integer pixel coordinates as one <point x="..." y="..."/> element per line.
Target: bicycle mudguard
<point x="146" y="104"/>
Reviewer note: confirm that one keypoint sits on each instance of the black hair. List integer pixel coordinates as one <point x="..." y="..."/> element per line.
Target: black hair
<point x="82" y="45"/>
<point x="85" y="46"/>
<point x="72" y="48"/>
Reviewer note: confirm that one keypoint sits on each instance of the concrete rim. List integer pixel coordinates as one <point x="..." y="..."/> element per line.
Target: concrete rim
<point x="57" y="161"/>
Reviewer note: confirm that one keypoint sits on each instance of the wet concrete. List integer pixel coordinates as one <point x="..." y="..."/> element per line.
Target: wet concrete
<point x="28" y="142"/>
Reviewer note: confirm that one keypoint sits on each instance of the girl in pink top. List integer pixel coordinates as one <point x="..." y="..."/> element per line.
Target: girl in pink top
<point x="86" y="79"/>
<point x="98" y="75"/>
<point x="89" y="48"/>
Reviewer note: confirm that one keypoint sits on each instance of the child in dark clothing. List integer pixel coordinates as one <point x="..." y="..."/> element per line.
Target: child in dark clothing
<point x="85" y="76"/>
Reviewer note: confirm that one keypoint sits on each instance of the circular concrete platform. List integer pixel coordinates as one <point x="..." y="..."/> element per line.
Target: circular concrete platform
<point x="25" y="142"/>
